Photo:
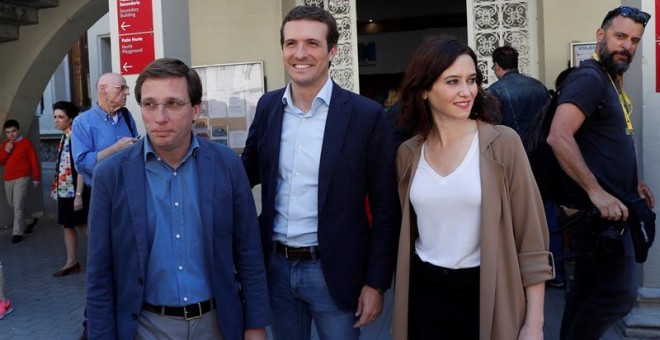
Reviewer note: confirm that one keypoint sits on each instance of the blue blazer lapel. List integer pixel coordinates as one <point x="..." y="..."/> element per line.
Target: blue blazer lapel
<point x="339" y="116"/>
<point x="206" y="175"/>
<point x="272" y="140"/>
<point x="135" y="184"/>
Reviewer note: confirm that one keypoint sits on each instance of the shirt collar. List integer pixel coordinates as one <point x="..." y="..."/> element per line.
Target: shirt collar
<point x="324" y="94"/>
<point x="192" y="149"/>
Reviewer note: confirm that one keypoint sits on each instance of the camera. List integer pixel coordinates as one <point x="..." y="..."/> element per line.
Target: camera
<point x="609" y="241"/>
<point x="608" y="233"/>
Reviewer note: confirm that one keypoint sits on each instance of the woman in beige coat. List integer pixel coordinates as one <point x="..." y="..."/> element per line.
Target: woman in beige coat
<point x="473" y="256"/>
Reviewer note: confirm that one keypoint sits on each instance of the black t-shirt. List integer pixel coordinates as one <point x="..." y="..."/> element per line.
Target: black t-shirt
<point x="608" y="151"/>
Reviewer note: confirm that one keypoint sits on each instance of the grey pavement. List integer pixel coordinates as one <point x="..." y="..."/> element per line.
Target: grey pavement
<point x="52" y="308"/>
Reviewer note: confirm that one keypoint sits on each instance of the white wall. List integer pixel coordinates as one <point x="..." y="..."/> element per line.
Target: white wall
<point x="561" y="23"/>
<point x="99" y="54"/>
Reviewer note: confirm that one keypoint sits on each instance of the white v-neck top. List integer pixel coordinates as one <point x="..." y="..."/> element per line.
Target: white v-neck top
<point x="448" y="210"/>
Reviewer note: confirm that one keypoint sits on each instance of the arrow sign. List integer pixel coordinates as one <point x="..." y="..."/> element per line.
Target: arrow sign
<point x="134" y="16"/>
<point x="135" y="52"/>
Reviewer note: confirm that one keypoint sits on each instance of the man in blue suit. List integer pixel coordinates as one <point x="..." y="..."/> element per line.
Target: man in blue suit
<point x="174" y="247"/>
<point x="318" y="152"/>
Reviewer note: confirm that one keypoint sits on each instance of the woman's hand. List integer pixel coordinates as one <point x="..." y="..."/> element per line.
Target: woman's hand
<point x="77" y="203"/>
<point x="529" y="332"/>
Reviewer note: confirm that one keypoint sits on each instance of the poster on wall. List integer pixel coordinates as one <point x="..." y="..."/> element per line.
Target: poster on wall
<point x="229" y="101"/>
<point x="581" y="52"/>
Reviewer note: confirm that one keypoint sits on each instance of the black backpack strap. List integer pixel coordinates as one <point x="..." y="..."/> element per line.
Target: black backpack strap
<point x="124" y="113"/>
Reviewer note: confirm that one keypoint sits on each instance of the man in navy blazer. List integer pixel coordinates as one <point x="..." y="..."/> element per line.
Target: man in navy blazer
<point x="318" y="151"/>
<point x="174" y="247"/>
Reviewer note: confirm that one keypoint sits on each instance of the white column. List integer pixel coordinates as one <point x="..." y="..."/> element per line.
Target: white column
<point x="345" y="69"/>
<point x="644" y="320"/>
<point x="495" y="23"/>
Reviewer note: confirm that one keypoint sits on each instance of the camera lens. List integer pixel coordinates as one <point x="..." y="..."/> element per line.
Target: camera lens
<point x="609" y="242"/>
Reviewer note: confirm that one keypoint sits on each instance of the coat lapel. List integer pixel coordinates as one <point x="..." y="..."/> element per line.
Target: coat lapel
<point x="135" y="183"/>
<point x="339" y="116"/>
<point x="492" y="177"/>
<point x="206" y="184"/>
<point x="273" y="141"/>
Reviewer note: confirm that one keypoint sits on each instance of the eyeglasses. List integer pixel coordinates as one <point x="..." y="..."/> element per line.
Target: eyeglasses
<point x="121" y="87"/>
<point x="628" y="12"/>
<point x="169" y="106"/>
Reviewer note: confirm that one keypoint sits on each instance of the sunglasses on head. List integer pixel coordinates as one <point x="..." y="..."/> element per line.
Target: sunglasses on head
<point x="628" y="12"/>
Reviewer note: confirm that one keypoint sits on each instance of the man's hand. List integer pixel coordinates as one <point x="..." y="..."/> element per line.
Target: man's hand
<point x="35" y="184"/>
<point x="9" y="146"/>
<point x="370" y="305"/>
<point x="119" y="145"/>
<point x="609" y="206"/>
<point x="646" y="193"/>
<point x="124" y="143"/>
<point x="256" y="334"/>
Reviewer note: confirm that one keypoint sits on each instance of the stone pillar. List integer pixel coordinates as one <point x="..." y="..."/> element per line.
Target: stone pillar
<point x="345" y="69"/>
<point x="644" y="320"/>
<point x="495" y="23"/>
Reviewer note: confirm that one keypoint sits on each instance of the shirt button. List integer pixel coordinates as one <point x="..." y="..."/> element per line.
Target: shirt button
<point x="176" y="204"/>
<point x="185" y="298"/>
<point x="180" y="267"/>
<point x="175" y="173"/>
<point x="177" y="235"/>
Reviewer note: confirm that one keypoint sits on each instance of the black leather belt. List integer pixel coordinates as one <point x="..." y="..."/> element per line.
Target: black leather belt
<point x="189" y="312"/>
<point x="294" y="253"/>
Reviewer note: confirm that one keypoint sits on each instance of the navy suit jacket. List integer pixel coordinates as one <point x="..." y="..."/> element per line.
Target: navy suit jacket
<point x="356" y="160"/>
<point x="119" y="245"/>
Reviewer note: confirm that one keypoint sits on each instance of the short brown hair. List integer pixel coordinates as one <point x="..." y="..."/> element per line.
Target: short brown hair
<point x="171" y="68"/>
<point x="316" y="14"/>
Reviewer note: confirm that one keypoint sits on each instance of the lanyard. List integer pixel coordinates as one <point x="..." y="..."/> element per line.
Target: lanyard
<point x="626" y="105"/>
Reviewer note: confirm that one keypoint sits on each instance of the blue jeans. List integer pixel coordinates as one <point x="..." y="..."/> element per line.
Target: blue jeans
<point x="602" y="292"/>
<point x="298" y="294"/>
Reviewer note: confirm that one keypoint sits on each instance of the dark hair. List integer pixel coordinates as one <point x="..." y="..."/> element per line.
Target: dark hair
<point x="11" y="123"/>
<point x="316" y="14"/>
<point x="627" y="12"/>
<point x="506" y="57"/>
<point x="68" y="108"/>
<point x="428" y="62"/>
<point x="171" y="68"/>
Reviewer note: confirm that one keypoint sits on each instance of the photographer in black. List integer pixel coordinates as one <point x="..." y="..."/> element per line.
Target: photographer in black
<point x="591" y="135"/>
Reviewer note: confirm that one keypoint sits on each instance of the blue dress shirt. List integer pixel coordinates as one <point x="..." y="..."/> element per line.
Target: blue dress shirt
<point x="296" y="199"/>
<point x="94" y="130"/>
<point x="177" y="268"/>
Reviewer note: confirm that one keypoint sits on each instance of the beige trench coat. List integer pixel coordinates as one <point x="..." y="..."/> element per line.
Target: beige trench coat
<point x="514" y="234"/>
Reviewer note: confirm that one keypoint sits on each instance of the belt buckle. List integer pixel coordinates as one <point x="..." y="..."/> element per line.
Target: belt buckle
<point x="186" y="312"/>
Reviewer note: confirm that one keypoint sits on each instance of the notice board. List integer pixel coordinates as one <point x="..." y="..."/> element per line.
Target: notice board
<point x="229" y="101"/>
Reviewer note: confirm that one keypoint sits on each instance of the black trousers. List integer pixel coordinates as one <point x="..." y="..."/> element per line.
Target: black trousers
<point x="444" y="303"/>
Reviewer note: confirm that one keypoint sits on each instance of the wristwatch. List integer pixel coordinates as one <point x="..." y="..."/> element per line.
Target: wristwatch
<point x="78" y="194"/>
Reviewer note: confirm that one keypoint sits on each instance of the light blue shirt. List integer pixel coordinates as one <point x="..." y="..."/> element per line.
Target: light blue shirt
<point x="94" y="130"/>
<point x="177" y="270"/>
<point x="296" y="198"/>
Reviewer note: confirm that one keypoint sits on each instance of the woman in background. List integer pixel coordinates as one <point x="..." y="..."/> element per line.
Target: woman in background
<point x="473" y="253"/>
<point x="69" y="189"/>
